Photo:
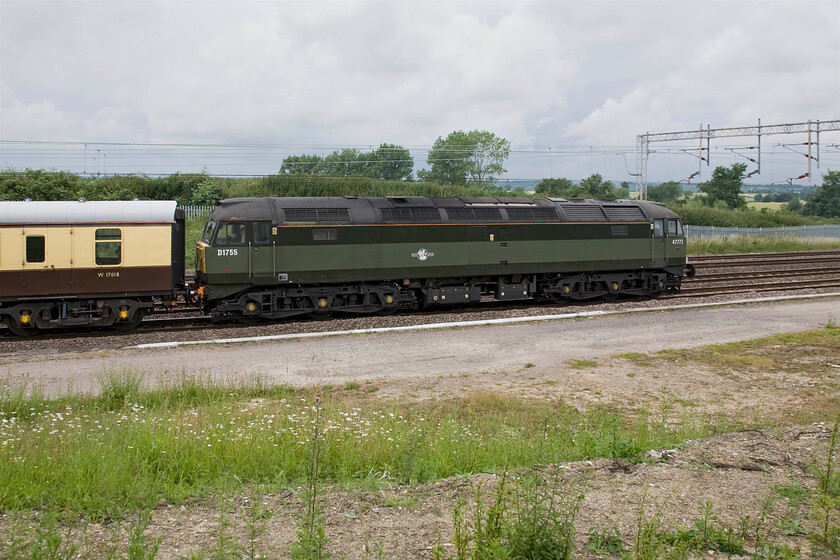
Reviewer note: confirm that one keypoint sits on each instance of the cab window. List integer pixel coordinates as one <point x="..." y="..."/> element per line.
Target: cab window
<point x="262" y="232"/>
<point x="658" y="228"/>
<point x="108" y="246"/>
<point x="231" y="233"/>
<point x="209" y="230"/>
<point x="672" y="228"/>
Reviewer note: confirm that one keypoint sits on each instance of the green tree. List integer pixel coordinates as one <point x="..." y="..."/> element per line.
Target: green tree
<point x="207" y="193"/>
<point x="665" y="192"/>
<point x="476" y="157"/>
<point x="795" y="205"/>
<point x="594" y="186"/>
<point x="180" y="186"/>
<point x="562" y="188"/>
<point x="389" y="162"/>
<point x="341" y="163"/>
<point x="725" y="186"/>
<point x="37" y="184"/>
<point x="825" y="201"/>
<point x="301" y="165"/>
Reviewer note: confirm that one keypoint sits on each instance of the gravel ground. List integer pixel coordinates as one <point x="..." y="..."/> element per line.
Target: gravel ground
<point x="413" y="356"/>
<point x="90" y="341"/>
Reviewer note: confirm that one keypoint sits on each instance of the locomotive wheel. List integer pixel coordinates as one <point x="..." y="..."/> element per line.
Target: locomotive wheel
<point x="319" y="315"/>
<point x="248" y="319"/>
<point x="391" y="309"/>
<point x="251" y="306"/>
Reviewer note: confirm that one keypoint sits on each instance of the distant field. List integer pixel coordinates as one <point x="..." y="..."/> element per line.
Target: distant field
<point x="771" y="206"/>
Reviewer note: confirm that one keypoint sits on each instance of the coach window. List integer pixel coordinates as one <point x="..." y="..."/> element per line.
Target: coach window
<point x="658" y="228"/>
<point x="108" y="243"/>
<point x="36" y="251"/>
<point x="262" y="232"/>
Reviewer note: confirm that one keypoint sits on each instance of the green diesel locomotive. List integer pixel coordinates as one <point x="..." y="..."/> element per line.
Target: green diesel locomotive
<point x="279" y="257"/>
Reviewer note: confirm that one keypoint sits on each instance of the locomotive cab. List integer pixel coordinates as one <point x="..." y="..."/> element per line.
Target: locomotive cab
<point x="232" y="254"/>
<point x="669" y="249"/>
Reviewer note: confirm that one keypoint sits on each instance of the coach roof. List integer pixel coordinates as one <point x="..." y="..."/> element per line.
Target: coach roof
<point x="76" y="212"/>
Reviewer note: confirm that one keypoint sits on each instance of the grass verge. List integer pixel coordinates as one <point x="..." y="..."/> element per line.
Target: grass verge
<point x="132" y="446"/>
<point x="750" y="244"/>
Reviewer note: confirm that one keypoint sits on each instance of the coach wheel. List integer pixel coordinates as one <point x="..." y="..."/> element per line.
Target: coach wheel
<point x="20" y="327"/>
<point x="128" y="319"/>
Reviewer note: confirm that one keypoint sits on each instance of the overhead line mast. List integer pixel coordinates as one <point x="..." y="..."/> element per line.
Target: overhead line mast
<point x="812" y="128"/>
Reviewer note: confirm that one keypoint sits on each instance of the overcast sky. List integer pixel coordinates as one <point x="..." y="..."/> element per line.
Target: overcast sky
<point x="581" y="78"/>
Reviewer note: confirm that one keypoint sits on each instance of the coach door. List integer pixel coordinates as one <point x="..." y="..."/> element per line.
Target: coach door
<point x="45" y="266"/>
<point x="260" y="252"/>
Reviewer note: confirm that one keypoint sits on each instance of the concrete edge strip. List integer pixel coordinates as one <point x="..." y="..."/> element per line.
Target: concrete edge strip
<point x="461" y="324"/>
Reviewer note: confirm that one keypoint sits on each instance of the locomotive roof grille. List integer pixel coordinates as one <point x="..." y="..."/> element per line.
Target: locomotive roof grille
<point x="473" y="214"/>
<point x="583" y="212"/>
<point x="624" y="213"/>
<point x="520" y="214"/>
<point x="318" y="215"/>
<point x="415" y="215"/>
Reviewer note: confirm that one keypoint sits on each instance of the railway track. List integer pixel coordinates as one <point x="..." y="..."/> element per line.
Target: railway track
<point x="716" y="274"/>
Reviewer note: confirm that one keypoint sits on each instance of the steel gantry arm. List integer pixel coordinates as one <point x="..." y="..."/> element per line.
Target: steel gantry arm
<point x="812" y="128"/>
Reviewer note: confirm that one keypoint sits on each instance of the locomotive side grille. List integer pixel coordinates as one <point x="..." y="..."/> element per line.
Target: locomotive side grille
<point x="318" y="215"/>
<point x="625" y="214"/>
<point x="474" y="214"/>
<point x="583" y="213"/>
<point x="532" y="215"/>
<point x="410" y="215"/>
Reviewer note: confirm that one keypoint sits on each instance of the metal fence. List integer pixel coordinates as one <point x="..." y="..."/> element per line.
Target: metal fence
<point x="707" y="232"/>
<point x="196" y="211"/>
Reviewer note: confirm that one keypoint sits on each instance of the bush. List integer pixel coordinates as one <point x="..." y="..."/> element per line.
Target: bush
<point x="697" y="215"/>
